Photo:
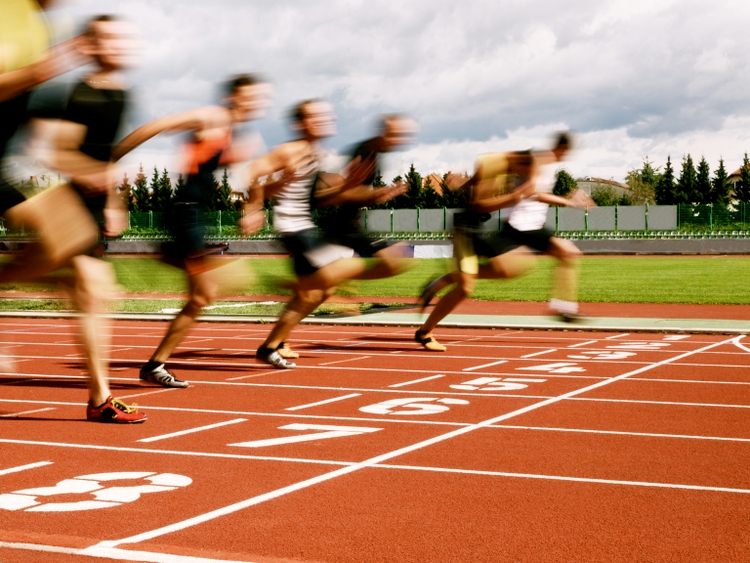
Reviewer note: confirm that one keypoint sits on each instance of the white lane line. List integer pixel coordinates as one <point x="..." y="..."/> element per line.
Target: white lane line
<point x="572" y="479"/>
<point x="583" y="344"/>
<point x="346" y="360"/>
<point x="253" y="375"/>
<point x="621" y="433"/>
<point x="229" y="509"/>
<point x="116" y="554"/>
<point x="736" y="342"/>
<point x="146" y="393"/>
<point x="24" y="467"/>
<point x="299" y="408"/>
<point x="405" y="383"/>
<point x="668" y="403"/>
<point x="617" y="336"/>
<point x="14" y="414"/>
<point x="539" y="353"/>
<point x="174" y="452"/>
<point x="192" y="430"/>
<point x="497" y="363"/>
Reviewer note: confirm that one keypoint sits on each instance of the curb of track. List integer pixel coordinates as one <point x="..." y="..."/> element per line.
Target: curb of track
<point x="493" y="322"/>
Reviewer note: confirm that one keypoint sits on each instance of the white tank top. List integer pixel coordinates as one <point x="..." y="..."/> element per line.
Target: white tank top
<point x="292" y="212"/>
<point x="531" y="214"/>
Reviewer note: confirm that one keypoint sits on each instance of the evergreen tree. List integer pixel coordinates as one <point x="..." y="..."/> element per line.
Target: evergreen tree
<point x="430" y="198"/>
<point x="664" y="192"/>
<point x="224" y="195"/>
<point x="413" y="196"/>
<point x="454" y="197"/>
<point x="686" y="183"/>
<point x="179" y="188"/>
<point x="719" y="185"/>
<point x="742" y="188"/>
<point x="378" y="180"/>
<point x="141" y="195"/>
<point x="703" y="183"/>
<point x="125" y="191"/>
<point x="565" y="184"/>
<point x="649" y="175"/>
<point x="161" y="191"/>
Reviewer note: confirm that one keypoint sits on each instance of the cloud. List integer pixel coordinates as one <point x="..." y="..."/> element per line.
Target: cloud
<point x="634" y="74"/>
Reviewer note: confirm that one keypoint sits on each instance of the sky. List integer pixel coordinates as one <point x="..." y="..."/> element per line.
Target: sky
<point x="632" y="78"/>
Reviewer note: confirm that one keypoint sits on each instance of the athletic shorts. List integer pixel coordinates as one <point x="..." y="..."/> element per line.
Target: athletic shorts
<point x="538" y="239"/>
<point x="358" y="241"/>
<point x="469" y="245"/>
<point x="311" y="250"/>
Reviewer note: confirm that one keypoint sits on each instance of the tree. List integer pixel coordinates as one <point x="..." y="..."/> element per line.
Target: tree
<point x="664" y="191"/>
<point x="179" y="188"/>
<point x="224" y="195"/>
<point x="125" y="191"/>
<point x="377" y="182"/>
<point x="703" y="183"/>
<point x="742" y="188"/>
<point x="454" y="195"/>
<point x="161" y="191"/>
<point x="641" y="191"/>
<point x="686" y="183"/>
<point x="605" y="196"/>
<point x="565" y="184"/>
<point x="141" y="195"/>
<point x="649" y="174"/>
<point x="719" y="185"/>
<point x="430" y="199"/>
<point x="413" y="196"/>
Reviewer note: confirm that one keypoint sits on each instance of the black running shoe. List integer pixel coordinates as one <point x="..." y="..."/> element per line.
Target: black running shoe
<point x="161" y="376"/>
<point x="272" y="357"/>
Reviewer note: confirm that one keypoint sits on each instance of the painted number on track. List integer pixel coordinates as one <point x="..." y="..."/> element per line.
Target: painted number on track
<point x="90" y="485"/>
<point x="560" y="367"/>
<point x="413" y="406"/>
<point x="323" y="432"/>
<point x="496" y="384"/>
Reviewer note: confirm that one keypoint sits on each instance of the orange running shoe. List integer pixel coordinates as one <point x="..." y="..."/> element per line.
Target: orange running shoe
<point x="114" y="411"/>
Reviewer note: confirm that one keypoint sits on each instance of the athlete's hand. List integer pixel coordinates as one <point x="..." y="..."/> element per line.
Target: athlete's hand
<point x="252" y="221"/>
<point x="115" y="221"/>
<point x="389" y="192"/>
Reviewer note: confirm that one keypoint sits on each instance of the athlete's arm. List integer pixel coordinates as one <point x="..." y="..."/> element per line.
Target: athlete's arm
<point x="552" y="199"/>
<point x="92" y="175"/>
<point x="60" y="59"/>
<point x="194" y="120"/>
<point x="272" y="172"/>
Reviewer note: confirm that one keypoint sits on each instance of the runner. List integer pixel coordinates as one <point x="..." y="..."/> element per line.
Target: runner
<point x="67" y="232"/>
<point x="319" y="264"/>
<point x="246" y="97"/>
<point x="340" y="224"/>
<point x="526" y="209"/>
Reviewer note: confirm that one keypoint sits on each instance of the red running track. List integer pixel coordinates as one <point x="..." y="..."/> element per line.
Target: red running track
<point x="512" y="446"/>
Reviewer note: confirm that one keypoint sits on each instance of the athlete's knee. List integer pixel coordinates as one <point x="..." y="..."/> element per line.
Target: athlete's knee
<point x="465" y="286"/>
<point x="93" y="283"/>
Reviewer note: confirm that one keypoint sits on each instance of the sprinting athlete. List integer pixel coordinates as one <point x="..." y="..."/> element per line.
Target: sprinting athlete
<point x="319" y="264"/>
<point x="68" y="232"/>
<point x="500" y="180"/>
<point x="340" y="224"/>
<point x="523" y="225"/>
<point x="246" y="97"/>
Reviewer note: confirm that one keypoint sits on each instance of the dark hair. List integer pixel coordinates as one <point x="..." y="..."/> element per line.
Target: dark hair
<point x="388" y="117"/>
<point x="562" y="140"/>
<point x="238" y="81"/>
<point x="297" y="113"/>
<point x="89" y="31"/>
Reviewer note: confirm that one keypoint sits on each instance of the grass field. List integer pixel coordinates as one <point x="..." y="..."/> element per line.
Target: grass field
<point x="694" y="279"/>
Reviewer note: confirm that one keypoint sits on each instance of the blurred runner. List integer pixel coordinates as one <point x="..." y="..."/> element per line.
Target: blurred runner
<point x="524" y="181"/>
<point x="245" y="97"/>
<point x="294" y="170"/>
<point x="340" y="224"/>
<point x="67" y="232"/>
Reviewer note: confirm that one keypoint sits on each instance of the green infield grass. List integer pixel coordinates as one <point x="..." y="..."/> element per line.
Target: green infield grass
<point x="693" y="279"/>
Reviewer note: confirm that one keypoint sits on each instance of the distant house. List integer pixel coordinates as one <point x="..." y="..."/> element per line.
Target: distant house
<point x="452" y="179"/>
<point x="589" y="184"/>
<point x="734" y="177"/>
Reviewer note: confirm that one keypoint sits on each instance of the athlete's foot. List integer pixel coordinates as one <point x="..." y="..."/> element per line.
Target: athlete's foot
<point x="428" y="342"/>
<point x="572" y="318"/>
<point x="114" y="411"/>
<point x="155" y="372"/>
<point x="272" y="357"/>
<point x="286" y="352"/>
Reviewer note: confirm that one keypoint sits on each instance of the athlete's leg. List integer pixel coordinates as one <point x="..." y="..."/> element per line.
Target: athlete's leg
<point x="509" y="265"/>
<point x="463" y="288"/>
<point x="93" y="282"/>
<point x="389" y="262"/>
<point x="203" y="287"/>
<point x="565" y="286"/>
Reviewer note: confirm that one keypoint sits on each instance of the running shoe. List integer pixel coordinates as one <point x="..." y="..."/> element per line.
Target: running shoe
<point x="114" y="411"/>
<point x="161" y="376"/>
<point x="273" y="358"/>
<point x="286" y="352"/>
<point x="573" y="318"/>
<point x="429" y="342"/>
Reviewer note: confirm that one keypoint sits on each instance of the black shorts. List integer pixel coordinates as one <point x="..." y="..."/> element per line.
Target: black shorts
<point x="537" y="239"/>
<point x="469" y="245"/>
<point x="311" y="250"/>
<point x="188" y="227"/>
<point x="358" y="241"/>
